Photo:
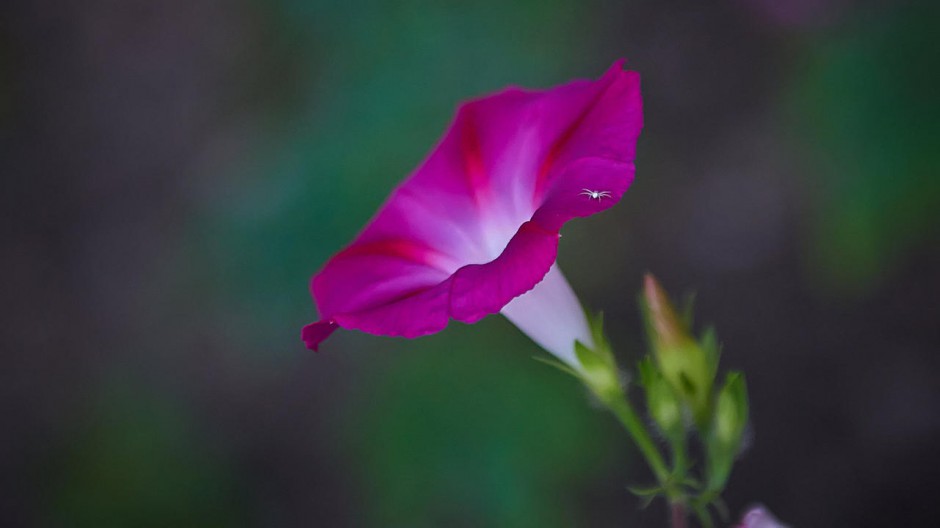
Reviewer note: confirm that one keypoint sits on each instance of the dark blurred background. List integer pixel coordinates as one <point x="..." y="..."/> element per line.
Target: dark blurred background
<point x="174" y="172"/>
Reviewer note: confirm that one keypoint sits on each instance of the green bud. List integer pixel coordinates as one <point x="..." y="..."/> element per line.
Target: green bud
<point x="730" y="420"/>
<point x="687" y="365"/>
<point x="667" y="329"/>
<point x="661" y="400"/>
<point x="731" y="410"/>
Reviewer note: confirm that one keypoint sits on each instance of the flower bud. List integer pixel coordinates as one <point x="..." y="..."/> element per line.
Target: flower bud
<point x="759" y="517"/>
<point x="667" y="329"/>
<point x="661" y="401"/>
<point x="724" y="440"/>
<point x="731" y="410"/>
<point x="684" y="363"/>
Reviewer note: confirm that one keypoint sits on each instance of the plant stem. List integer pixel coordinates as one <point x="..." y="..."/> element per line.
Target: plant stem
<point x="679" y="457"/>
<point x="677" y="515"/>
<point x="631" y="422"/>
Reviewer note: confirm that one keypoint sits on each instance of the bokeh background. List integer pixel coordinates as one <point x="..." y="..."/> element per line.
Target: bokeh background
<point x="174" y="172"/>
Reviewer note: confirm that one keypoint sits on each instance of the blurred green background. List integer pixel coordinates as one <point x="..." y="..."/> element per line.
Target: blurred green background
<point x="174" y="172"/>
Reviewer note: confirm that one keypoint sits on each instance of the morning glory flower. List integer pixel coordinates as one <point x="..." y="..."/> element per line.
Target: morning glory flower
<point x="759" y="517"/>
<point x="475" y="229"/>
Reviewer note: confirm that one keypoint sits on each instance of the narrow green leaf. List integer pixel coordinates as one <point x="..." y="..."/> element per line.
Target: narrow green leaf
<point x="646" y="492"/>
<point x="704" y="518"/>
<point x="721" y="508"/>
<point x="711" y="346"/>
<point x="647" y="370"/>
<point x="687" y="309"/>
<point x="558" y="365"/>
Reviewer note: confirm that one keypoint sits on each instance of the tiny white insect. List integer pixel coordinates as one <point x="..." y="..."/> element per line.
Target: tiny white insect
<point x="595" y="195"/>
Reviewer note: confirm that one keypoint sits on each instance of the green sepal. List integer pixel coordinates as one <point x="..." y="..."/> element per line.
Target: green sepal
<point x="647" y="495"/>
<point x="601" y="344"/>
<point x="712" y="348"/>
<point x="704" y="518"/>
<point x="646" y="492"/>
<point x="599" y="371"/>
<point x="596" y="322"/>
<point x="721" y="508"/>
<point x="589" y="358"/>
<point x="687" y="310"/>
<point x="558" y="365"/>
<point x="647" y="371"/>
<point x="700" y="505"/>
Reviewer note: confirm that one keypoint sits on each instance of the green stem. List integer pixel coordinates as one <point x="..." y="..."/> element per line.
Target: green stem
<point x="632" y="423"/>
<point x="680" y="459"/>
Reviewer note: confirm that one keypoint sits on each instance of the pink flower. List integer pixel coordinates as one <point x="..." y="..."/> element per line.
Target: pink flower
<point x="759" y="517"/>
<point x="477" y="224"/>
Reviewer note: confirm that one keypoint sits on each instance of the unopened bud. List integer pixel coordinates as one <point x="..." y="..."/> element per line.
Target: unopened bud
<point x="661" y="401"/>
<point x="683" y="361"/>
<point x="759" y="517"/>
<point x="730" y="420"/>
<point x="731" y="410"/>
<point x="666" y="328"/>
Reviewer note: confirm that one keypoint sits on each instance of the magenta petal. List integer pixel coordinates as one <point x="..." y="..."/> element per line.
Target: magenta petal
<point x="417" y="314"/>
<point x="571" y="193"/>
<point x="477" y="223"/>
<point x="482" y="289"/>
<point x="314" y="333"/>
<point x="610" y="126"/>
<point x="371" y="274"/>
<point x="473" y="292"/>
